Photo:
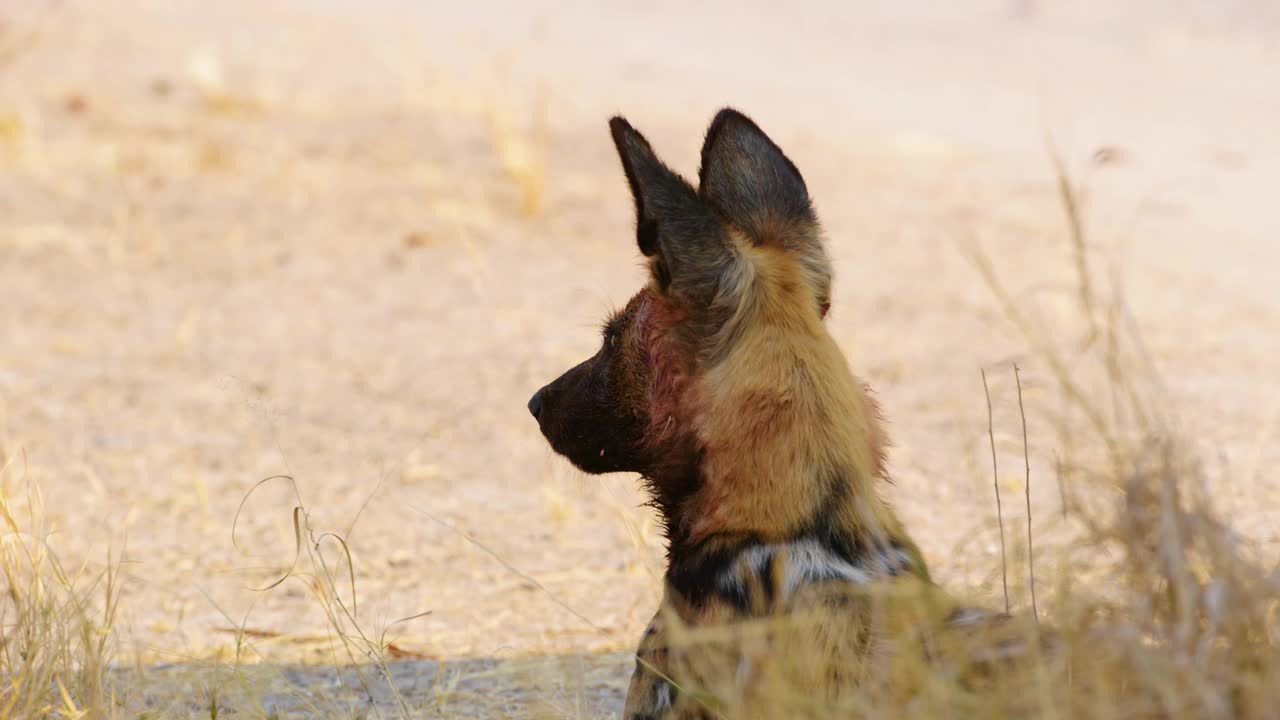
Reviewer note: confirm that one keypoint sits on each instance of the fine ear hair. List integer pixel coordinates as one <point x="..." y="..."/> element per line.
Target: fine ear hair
<point x="685" y="242"/>
<point x="652" y="183"/>
<point x="746" y="177"/>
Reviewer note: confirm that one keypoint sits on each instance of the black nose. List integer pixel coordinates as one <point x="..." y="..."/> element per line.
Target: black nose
<point x="535" y="404"/>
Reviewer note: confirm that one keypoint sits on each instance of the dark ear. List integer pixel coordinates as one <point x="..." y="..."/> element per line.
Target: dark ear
<point x="648" y="177"/>
<point x="748" y="179"/>
<point x="674" y="227"/>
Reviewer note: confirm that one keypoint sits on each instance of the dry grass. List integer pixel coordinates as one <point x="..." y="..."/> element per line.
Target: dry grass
<point x="59" y="659"/>
<point x="56" y="622"/>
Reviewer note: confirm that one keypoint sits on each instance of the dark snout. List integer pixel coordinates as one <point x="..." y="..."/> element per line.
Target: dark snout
<point x="535" y="404"/>
<point x="583" y="422"/>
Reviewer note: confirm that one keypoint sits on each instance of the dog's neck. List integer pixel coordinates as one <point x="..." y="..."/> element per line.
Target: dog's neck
<point x="772" y="437"/>
<point x="850" y="522"/>
<point x="714" y="509"/>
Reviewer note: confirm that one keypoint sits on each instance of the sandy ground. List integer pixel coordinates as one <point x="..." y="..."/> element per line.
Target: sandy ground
<point x="346" y="242"/>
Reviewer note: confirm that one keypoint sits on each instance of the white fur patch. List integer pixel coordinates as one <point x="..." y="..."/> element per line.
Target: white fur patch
<point x="970" y="616"/>
<point x="662" y="697"/>
<point x="807" y="561"/>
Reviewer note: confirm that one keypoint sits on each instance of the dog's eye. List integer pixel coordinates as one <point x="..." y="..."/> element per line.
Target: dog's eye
<point x="611" y="330"/>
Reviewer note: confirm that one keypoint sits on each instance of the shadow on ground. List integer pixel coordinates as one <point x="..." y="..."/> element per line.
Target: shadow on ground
<point x="573" y="686"/>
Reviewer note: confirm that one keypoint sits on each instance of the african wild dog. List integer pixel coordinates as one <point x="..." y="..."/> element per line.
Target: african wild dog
<point x="719" y="384"/>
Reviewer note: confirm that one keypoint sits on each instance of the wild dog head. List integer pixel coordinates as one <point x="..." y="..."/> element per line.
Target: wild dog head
<point x="719" y="381"/>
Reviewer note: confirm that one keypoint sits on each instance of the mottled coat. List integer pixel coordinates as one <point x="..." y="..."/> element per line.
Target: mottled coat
<point x="720" y="384"/>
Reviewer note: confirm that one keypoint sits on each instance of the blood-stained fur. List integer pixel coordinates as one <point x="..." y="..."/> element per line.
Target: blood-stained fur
<point x="720" y="384"/>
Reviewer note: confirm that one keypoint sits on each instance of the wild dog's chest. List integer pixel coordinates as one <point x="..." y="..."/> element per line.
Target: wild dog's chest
<point x="767" y="578"/>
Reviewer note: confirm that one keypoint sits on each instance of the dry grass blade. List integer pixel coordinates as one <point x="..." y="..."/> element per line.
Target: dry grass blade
<point x="357" y="646"/>
<point x="995" y="482"/>
<point x="1026" y="456"/>
<point x="297" y="526"/>
<point x="1075" y="230"/>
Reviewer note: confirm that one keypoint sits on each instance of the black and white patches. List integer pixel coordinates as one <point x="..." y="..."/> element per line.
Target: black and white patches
<point x="780" y="569"/>
<point x="659" y="702"/>
<point x="694" y="576"/>
<point x="970" y="617"/>
<point x="663" y="697"/>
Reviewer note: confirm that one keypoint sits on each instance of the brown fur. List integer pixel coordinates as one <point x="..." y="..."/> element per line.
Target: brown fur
<point x="768" y="472"/>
